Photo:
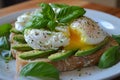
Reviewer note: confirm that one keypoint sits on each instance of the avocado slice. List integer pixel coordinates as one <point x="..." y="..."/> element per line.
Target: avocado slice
<point x="19" y="38"/>
<point x="35" y="54"/>
<point x="22" y="47"/>
<point x="13" y="30"/>
<point x="61" y="55"/>
<point x="90" y="51"/>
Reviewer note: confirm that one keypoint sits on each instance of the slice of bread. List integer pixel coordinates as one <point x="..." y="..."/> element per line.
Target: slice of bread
<point x="68" y="64"/>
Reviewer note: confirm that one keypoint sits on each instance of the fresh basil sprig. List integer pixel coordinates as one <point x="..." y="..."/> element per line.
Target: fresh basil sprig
<point x="49" y="19"/>
<point x="110" y="57"/>
<point x="40" y="70"/>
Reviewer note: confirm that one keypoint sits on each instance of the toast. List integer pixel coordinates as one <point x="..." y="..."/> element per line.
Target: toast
<point x="67" y="64"/>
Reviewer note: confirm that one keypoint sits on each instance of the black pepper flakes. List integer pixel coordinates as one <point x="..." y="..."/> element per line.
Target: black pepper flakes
<point x="51" y="46"/>
<point x="48" y="33"/>
<point x="89" y="74"/>
<point x="98" y="32"/>
<point x="79" y="74"/>
<point x="44" y="36"/>
<point x="40" y="42"/>
<point x="36" y="33"/>
<point x="78" y="69"/>
<point x="61" y="41"/>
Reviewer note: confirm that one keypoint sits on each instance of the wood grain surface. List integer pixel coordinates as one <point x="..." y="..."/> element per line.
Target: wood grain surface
<point x="34" y="4"/>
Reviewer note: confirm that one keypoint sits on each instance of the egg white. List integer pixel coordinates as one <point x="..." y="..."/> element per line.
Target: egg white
<point x="45" y="40"/>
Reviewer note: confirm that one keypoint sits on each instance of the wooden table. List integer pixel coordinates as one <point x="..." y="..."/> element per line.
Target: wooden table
<point x="33" y="4"/>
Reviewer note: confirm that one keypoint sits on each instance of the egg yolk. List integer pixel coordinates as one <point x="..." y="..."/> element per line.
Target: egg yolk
<point x="76" y="42"/>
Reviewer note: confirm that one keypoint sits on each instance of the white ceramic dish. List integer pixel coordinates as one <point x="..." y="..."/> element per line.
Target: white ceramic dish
<point x="109" y="23"/>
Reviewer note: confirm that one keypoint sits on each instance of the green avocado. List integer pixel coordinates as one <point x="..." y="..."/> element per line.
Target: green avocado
<point x="61" y="55"/>
<point x="90" y="51"/>
<point x="19" y="38"/>
<point x="36" y="54"/>
<point x="22" y="47"/>
<point x="13" y="30"/>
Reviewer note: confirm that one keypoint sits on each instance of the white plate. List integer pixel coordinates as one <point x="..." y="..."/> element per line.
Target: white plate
<point x="111" y="25"/>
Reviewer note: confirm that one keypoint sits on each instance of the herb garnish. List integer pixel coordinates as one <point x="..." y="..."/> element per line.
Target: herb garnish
<point x="111" y="56"/>
<point x="4" y="41"/>
<point x="40" y="70"/>
<point x="49" y="18"/>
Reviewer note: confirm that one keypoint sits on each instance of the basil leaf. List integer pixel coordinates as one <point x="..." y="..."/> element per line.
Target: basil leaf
<point x="53" y="5"/>
<point x="5" y="48"/>
<point x="4" y="43"/>
<point x="70" y="13"/>
<point x="117" y="38"/>
<point x="5" y="29"/>
<point x="36" y="22"/>
<point x="51" y="25"/>
<point x="41" y="70"/>
<point x="47" y="11"/>
<point x="110" y="57"/>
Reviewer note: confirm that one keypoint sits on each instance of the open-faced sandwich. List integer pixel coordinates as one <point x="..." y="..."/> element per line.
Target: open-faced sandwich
<point x="62" y="37"/>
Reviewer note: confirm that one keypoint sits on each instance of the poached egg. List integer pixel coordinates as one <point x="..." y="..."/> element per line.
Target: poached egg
<point x="85" y="34"/>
